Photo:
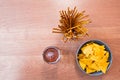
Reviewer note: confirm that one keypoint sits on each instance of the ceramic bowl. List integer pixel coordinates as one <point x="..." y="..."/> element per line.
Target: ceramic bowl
<point x="106" y="48"/>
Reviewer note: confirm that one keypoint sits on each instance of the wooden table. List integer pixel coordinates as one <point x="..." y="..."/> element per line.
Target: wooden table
<point x="26" y="30"/>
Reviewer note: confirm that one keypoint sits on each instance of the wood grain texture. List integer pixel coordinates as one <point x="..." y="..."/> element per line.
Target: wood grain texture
<point x="26" y="30"/>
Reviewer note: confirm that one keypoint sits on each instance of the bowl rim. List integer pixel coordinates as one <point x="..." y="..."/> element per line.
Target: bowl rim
<point x="94" y="40"/>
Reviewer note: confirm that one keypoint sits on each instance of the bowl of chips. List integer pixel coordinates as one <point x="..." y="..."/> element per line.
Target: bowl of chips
<point x="94" y="57"/>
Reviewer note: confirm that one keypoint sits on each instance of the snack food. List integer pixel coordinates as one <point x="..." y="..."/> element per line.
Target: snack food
<point x="93" y="58"/>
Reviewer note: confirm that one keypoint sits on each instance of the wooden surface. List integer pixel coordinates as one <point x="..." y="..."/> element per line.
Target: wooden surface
<point x="26" y="30"/>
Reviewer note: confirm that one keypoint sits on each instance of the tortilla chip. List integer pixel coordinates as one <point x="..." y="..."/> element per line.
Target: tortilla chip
<point x="87" y="50"/>
<point x="93" y="58"/>
<point x="82" y="64"/>
<point x="89" y="70"/>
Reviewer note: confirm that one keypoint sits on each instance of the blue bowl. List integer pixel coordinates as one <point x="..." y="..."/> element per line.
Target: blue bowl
<point x="106" y="48"/>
